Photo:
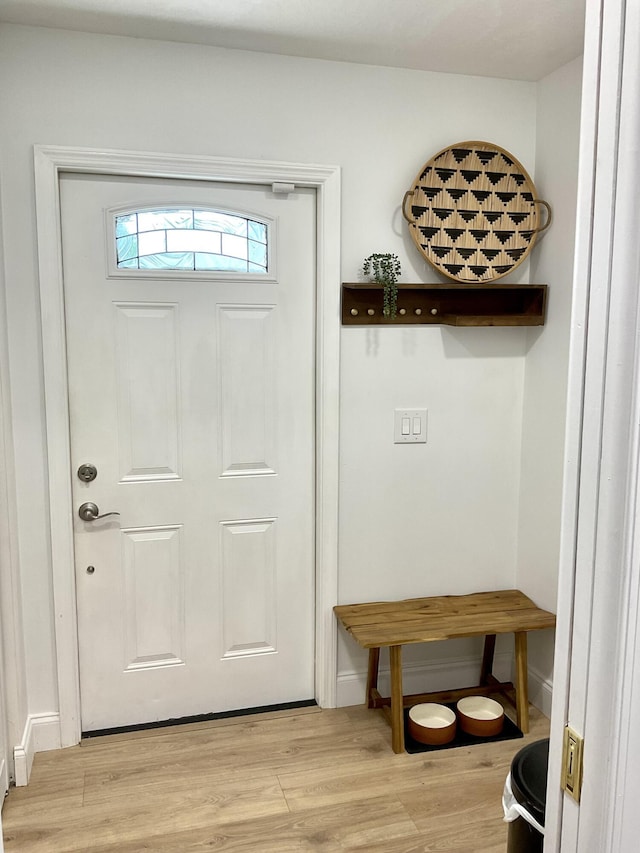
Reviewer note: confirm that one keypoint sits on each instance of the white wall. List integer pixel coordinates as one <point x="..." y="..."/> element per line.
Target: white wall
<point x="545" y="386"/>
<point x="437" y="518"/>
<point x="431" y="519"/>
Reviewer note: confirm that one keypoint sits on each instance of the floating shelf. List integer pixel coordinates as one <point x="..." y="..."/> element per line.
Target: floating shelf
<point x="447" y="304"/>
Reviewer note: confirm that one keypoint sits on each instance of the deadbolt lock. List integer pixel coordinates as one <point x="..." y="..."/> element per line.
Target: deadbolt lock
<point x="87" y="473"/>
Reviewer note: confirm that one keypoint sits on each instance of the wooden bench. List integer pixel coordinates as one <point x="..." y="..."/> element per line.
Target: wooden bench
<point x="426" y="620"/>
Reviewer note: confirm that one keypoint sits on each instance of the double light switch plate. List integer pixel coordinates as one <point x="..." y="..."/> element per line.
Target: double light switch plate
<point x="410" y="426"/>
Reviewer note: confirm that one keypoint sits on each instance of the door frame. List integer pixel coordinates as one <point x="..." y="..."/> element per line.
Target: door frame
<point x="49" y="163"/>
<point x="13" y="659"/>
<point x="597" y="659"/>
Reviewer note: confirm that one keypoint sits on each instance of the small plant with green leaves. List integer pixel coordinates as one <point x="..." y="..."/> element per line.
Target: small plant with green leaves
<point x="385" y="269"/>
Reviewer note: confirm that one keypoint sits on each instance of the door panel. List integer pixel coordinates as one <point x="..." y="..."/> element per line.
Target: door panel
<point x="194" y="398"/>
<point x="153" y="602"/>
<point x="247" y="389"/>
<point x="248" y="562"/>
<point x="147" y="385"/>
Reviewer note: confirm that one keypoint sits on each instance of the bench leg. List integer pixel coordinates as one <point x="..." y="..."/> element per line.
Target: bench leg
<point x="397" y="699"/>
<point x="522" y="690"/>
<point x="372" y="676"/>
<point x="487" y="658"/>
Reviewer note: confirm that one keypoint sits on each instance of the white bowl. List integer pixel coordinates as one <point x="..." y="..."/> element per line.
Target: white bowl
<point x="432" y="724"/>
<point x="480" y="716"/>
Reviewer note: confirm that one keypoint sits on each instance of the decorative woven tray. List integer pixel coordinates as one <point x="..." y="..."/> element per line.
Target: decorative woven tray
<point x="473" y="212"/>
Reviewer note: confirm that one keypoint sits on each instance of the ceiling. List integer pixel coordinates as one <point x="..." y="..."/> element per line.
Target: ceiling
<point x="517" y="39"/>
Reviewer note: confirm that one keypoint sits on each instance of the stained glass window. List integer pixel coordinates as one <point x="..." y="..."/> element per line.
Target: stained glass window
<point x="190" y="239"/>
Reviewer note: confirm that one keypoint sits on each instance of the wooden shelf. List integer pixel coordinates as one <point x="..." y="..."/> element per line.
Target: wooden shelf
<point x="447" y="304"/>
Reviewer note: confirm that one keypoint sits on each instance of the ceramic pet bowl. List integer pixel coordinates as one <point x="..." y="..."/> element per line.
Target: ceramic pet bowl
<point x="480" y="716"/>
<point x="432" y="724"/>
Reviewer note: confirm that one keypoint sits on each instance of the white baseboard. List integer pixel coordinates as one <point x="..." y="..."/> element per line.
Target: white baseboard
<point x="540" y="692"/>
<point x="4" y="780"/>
<point x="41" y="733"/>
<point x="422" y="678"/>
<point x="443" y="675"/>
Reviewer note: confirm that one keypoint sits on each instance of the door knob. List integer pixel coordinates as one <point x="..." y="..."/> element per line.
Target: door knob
<point x="89" y="512"/>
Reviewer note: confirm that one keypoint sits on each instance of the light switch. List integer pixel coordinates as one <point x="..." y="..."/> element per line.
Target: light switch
<point x="410" y="426"/>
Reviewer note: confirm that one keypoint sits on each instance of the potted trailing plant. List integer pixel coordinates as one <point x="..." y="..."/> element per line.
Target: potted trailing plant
<point x="384" y="268"/>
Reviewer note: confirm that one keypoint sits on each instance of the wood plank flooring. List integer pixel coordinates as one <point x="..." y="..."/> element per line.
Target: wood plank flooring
<point x="304" y="780"/>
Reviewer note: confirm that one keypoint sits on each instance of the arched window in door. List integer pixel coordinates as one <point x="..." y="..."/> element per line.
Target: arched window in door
<point x="190" y="239"/>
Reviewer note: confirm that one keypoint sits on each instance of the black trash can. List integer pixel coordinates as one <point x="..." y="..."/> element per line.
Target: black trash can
<point x="525" y="798"/>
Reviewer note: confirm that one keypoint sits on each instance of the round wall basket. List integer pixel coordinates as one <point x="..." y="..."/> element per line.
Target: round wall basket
<point x="473" y="212"/>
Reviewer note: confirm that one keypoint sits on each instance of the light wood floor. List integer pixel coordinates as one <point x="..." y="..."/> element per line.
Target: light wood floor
<point x="309" y="780"/>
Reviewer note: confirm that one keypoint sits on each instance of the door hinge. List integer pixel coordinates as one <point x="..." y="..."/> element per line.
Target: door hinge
<point x="572" y="763"/>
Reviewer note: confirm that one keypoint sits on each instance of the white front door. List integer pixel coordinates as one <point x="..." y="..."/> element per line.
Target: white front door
<point x="192" y="394"/>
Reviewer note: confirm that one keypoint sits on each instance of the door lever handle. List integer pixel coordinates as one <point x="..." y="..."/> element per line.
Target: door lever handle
<point x="89" y="512"/>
